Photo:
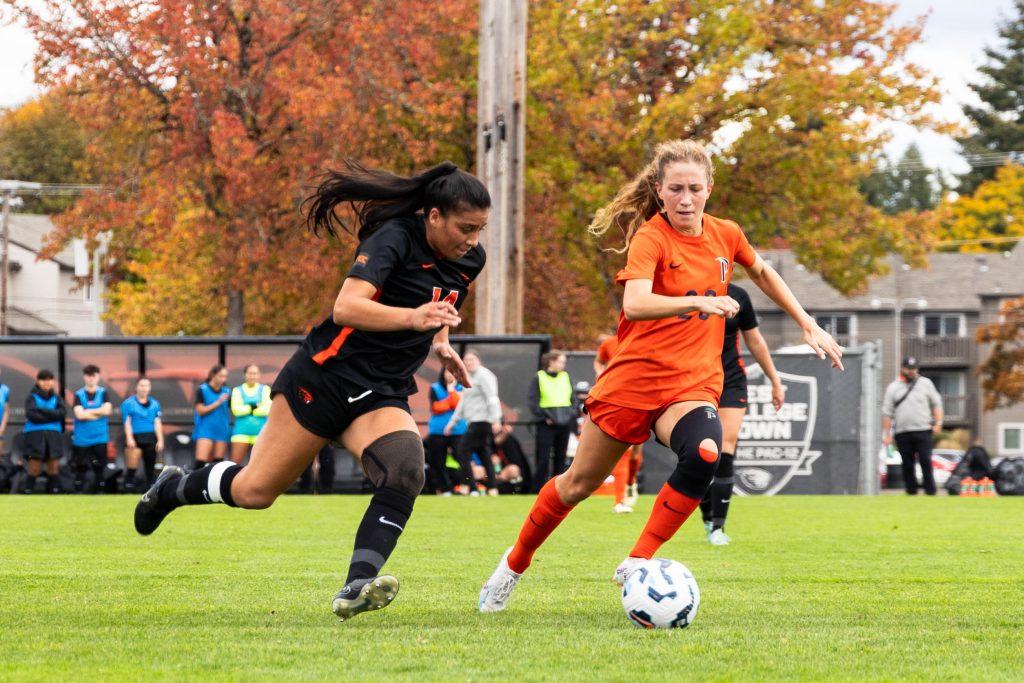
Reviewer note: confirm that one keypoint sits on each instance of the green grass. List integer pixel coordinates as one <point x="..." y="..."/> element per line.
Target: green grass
<point x="812" y="587"/>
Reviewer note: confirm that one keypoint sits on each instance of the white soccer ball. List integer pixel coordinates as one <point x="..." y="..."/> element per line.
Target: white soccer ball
<point x="661" y="594"/>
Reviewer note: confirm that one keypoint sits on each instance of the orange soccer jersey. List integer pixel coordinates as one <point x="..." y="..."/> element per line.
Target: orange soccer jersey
<point x="660" y="362"/>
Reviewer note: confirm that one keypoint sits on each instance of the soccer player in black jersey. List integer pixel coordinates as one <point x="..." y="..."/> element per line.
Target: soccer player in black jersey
<point x="350" y="379"/>
<point x="732" y="407"/>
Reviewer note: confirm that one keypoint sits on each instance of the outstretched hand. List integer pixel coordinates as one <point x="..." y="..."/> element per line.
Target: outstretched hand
<point x="724" y="306"/>
<point x="452" y="363"/>
<point x="824" y="345"/>
<point x="434" y="315"/>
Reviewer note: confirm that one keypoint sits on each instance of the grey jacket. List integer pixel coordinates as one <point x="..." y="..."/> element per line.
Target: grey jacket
<point x="914" y="414"/>
<point x="480" y="402"/>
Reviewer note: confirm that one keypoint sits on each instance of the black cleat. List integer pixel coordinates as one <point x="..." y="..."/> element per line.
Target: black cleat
<point x="149" y="512"/>
<point x="364" y="595"/>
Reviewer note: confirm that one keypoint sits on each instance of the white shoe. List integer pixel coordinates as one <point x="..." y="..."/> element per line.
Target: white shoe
<point x="632" y="495"/>
<point x="492" y="492"/>
<point x="498" y="588"/>
<point x="622" y="508"/>
<point x="627" y="567"/>
<point x="718" y="537"/>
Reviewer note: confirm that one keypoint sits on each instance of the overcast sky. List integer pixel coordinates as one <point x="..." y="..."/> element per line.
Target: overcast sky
<point x="955" y="35"/>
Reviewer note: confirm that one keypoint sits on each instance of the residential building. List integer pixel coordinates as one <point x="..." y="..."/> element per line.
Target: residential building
<point x="941" y="308"/>
<point x="43" y="296"/>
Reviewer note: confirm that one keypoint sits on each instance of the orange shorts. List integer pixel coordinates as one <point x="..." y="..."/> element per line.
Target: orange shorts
<point x="631" y="425"/>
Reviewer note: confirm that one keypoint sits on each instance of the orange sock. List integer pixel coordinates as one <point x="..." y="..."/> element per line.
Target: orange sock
<point x="634" y="467"/>
<point x="620" y="473"/>
<point x="670" y="510"/>
<point x="547" y="513"/>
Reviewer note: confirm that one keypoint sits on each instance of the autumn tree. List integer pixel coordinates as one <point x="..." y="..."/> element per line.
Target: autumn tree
<point x="994" y="212"/>
<point x="208" y="122"/>
<point x="788" y="95"/>
<point x="40" y="144"/>
<point x="1002" y="373"/>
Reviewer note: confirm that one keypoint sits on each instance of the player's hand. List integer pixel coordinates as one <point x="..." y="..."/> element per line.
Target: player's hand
<point x="434" y="315"/>
<point x="824" y="345"/>
<point x="159" y="446"/>
<point x="887" y="439"/>
<point x="495" y="428"/>
<point x="936" y="429"/>
<point x="723" y="306"/>
<point x="452" y="363"/>
<point x="129" y="443"/>
<point x="778" y="395"/>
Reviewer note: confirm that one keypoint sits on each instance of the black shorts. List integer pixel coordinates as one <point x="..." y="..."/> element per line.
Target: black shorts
<point x="734" y="394"/>
<point x="143" y="439"/>
<point x="44" y="445"/>
<point x="323" y="403"/>
<point x="88" y="455"/>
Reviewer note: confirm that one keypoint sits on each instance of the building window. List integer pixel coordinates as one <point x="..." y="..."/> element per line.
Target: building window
<point x="1011" y="438"/>
<point x="842" y="326"/>
<point x="943" y="325"/>
<point x="951" y="386"/>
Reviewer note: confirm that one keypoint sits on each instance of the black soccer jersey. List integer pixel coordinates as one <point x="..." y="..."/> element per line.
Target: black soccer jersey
<point x="746" y="319"/>
<point x="398" y="261"/>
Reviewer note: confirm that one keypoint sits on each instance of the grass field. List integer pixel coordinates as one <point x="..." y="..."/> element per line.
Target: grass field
<point x="812" y="587"/>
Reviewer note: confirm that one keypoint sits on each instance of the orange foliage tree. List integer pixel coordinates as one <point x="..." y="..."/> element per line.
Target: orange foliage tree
<point x="1002" y="373"/>
<point x="208" y="121"/>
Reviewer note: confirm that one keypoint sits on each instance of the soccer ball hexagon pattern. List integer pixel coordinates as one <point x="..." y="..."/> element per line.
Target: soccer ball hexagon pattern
<point x="661" y="594"/>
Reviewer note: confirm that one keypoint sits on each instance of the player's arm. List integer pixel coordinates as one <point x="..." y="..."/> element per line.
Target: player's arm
<point x="356" y="308"/>
<point x="759" y="350"/>
<point x="239" y="408"/>
<point x="3" y="421"/>
<point x="772" y="284"/>
<point x="158" y="427"/>
<point x="443" y="348"/>
<point x="639" y="302"/>
<point x="84" y="414"/>
<point x="129" y="434"/>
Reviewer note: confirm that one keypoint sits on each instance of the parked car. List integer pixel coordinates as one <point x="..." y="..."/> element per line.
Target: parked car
<point x="944" y="461"/>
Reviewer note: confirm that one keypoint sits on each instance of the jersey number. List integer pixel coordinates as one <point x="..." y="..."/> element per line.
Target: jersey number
<point x="702" y="316"/>
<point x="452" y="297"/>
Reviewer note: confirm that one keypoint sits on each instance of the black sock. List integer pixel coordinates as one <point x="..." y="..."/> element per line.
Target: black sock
<point x="211" y="484"/>
<point x="30" y="483"/>
<point x="721" y="491"/>
<point x="129" y="475"/>
<point x="705" y="507"/>
<point x="378" y="533"/>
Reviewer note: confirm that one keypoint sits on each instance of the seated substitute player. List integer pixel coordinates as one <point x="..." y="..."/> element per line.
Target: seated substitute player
<point x="92" y="410"/>
<point x="44" y="426"/>
<point x="143" y="433"/>
<point x="350" y="379"/>
<point x="666" y="375"/>
<point x="733" y="406"/>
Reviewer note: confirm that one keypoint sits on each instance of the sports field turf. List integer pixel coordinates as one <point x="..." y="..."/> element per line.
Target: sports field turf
<point x="812" y="587"/>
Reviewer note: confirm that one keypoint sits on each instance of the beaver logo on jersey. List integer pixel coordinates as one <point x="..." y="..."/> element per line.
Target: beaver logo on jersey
<point x="724" y="264"/>
<point x="774" y="446"/>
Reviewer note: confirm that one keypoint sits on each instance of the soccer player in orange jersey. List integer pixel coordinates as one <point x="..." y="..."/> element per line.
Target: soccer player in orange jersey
<point x="666" y="374"/>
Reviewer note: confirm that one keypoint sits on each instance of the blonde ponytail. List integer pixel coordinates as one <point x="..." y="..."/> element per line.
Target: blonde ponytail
<point x="638" y="199"/>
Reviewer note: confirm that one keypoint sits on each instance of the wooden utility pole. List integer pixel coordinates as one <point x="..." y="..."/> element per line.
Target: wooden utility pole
<point x="501" y="147"/>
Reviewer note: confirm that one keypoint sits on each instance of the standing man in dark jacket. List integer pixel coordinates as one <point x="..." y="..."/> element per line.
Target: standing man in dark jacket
<point x="44" y="422"/>
<point x="553" y="405"/>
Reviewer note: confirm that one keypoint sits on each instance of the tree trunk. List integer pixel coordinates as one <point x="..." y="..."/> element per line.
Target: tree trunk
<point x="236" y="313"/>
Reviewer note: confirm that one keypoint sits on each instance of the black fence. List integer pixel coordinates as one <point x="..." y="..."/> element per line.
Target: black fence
<point x="177" y="365"/>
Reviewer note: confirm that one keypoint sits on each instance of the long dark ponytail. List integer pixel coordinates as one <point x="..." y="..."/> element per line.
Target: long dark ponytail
<point x="377" y="196"/>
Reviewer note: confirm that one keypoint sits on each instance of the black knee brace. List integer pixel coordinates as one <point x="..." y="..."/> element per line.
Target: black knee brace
<point x="395" y="461"/>
<point x="696" y="467"/>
